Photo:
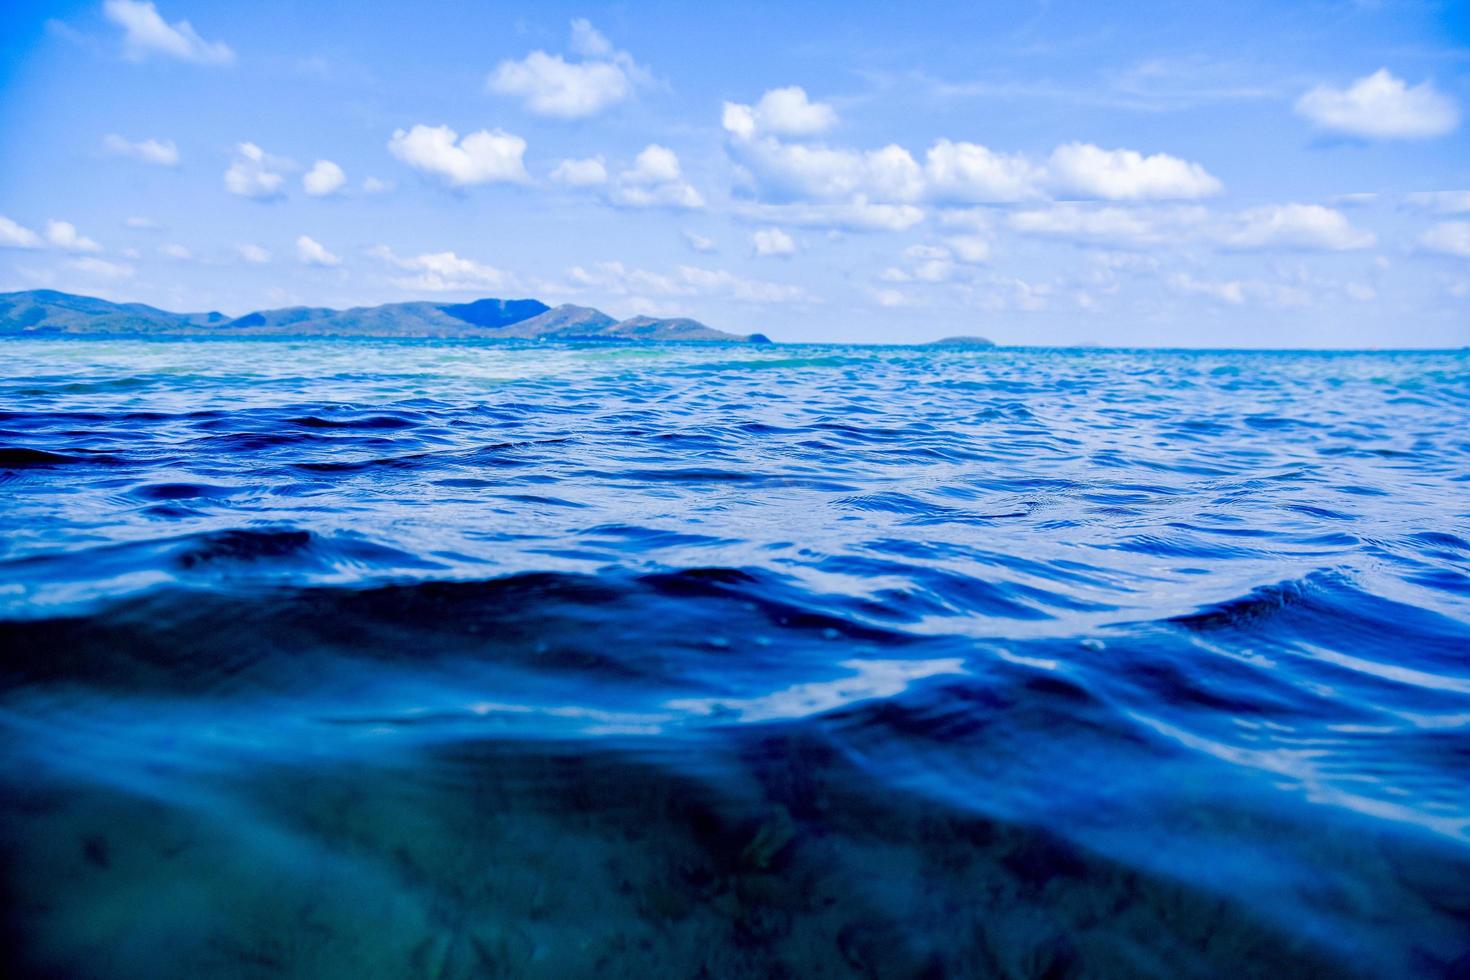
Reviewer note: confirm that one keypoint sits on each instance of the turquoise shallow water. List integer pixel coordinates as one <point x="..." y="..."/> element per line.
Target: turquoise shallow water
<point x="454" y="659"/>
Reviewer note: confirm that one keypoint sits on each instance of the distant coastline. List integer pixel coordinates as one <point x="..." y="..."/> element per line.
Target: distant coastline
<point x="49" y="312"/>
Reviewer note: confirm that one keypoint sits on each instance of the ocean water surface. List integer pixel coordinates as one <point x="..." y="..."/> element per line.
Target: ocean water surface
<point x="425" y="659"/>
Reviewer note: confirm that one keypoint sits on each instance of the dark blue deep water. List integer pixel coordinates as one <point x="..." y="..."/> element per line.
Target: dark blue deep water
<point x="417" y="659"/>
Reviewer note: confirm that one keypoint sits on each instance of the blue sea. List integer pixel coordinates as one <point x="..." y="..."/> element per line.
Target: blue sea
<point x="428" y="659"/>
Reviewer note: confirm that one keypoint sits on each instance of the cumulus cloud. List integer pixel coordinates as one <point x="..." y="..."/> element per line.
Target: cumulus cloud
<point x="1294" y="226"/>
<point x="723" y="282"/>
<point x="161" y="152"/>
<point x="1441" y="202"/>
<point x="1290" y="227"/>
<point x="1381" y="106"/>
<point x="375" y="185"/>
<point x="1235" y="292"/>
<point x="968" y="173"/>
<point x="699" y="243"/>
<point x="776" y="168"/>
<point x="64" y="235"/>
<point x="103" y="269"/>
<point x="550" y="85"/>
<point x="616" y="279"/>
<point x="1232" y="291"/>
<point x="780" y="112"/>
<point x="146" y="33"/>
<point x="13" y="234"/>
<point x="253" y="254"/>
<point x="1448" y="238"/>
<point x="588" y="41"/>
<point x="798" y="171"/>
<point x="1111" y="226"/>
<point x="772" y="241"/>
<point x="324" y="178"/>
<point x="482" y="157"/>
<point x="175" y="251"/>
<point x="955" y="259"/>
<point x="929" y="263"/>
<point x="581" y="173"/>
<point x="656" y="180"/>
<point x="440" y="272"/>
<point x="970" y="249"/>
<point x="312" y="252"/>
<point x="255" y="174"/>
<point x="858" y="215"/>
<point x="1007" y="293"/>
<point x="1127" y="175"/>
<point x="889" y="298"/>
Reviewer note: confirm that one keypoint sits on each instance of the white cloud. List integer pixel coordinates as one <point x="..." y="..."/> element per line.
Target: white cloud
<point x="1281" y="226"/>
<point x="616" y="279"/>
<point x="656" y="180"/>
<point x="1127" y="175"/>
<point x="780" y="112"/>
<point x="312" y="252"/>
<point x="654" y="165"/>
<point x="1236" y="292"/>
<point x="549" y="85"/>
<point x="797" y="171"/>
<point x="1114" y="226"/>
<point x="142" y="224"/>
<point x="856" y="215"/>
<point x="255" y="174"/>
<point x="175" y="251"/>
<point x="699" y="243"/>
<point x="146" y="33"/>
<point x="890" y="298"/>
<point x="779" y="171"/>
<point x="1380" y="106"/>
<point x="971" y="249"/>
<point x="64" y="235"/>
<point x="324" y="178"/>
<point x="103" y="269"/>
<point x="929" y="263"/>
<point x="722" y="282"/>
<point x="1441" y="202"/>
<point x="772" y="241"/>
<point x="581" y="173"/>
<point x="1294" y="226"/>
<point x="16" y="235"/>
<point x="253" y="254"/>
<point x="162" y="152"/>
<point x="968" y="173"/>
<point x="1023" y="295"/>
<point x="1448" y="238"/>
<point x="481" y="157"/>
<point x="375" y="185"/>
<point x="439" y="272"/>
<point x="588" y="41"/>
<point x="951" y="261"/>
<point x="1232" y="292"/>
<point x="552" y="86"/>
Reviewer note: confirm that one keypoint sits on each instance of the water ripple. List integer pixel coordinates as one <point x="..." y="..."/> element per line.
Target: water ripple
<point x="880" y="660"/>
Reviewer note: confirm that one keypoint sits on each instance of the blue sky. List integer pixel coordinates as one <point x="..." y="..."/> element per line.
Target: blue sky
<point x="1249" y="174"/>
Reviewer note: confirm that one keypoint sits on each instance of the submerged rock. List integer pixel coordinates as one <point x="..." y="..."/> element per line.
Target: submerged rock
<point x="773" y="837"/>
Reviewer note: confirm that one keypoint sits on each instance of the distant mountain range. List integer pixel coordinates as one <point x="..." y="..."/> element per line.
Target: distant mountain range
<point x="45" y="311"/>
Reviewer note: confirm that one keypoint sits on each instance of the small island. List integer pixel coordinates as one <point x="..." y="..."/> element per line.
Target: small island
<point x="43" y="312"/>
